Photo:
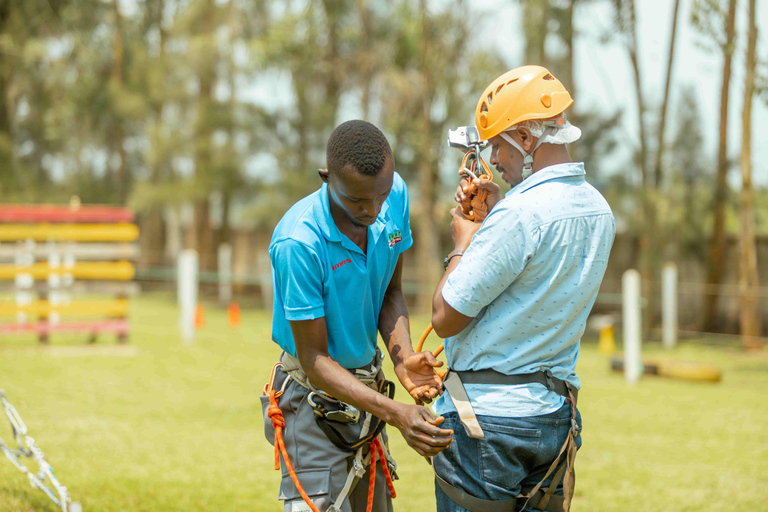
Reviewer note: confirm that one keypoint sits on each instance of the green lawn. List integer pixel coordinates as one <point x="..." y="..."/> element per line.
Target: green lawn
<point x="160" y="426"/>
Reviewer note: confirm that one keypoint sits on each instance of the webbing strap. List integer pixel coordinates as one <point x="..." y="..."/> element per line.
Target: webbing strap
<point x="452" y="384"/>
<point x="473" y="504"/>
<point x="562" y="467"/>
<point x="491" y="376"/>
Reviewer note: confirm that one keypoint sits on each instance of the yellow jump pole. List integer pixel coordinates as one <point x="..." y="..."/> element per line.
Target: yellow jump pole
<point x="80" y="308"/>
<point x="122" y="232"/>
<point x="89" y="270"/>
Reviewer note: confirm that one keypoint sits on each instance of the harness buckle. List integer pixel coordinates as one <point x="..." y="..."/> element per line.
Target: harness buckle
<point x="345" y="414"/>
<point x="574" y="428"/>
<point x="550" y="383"/>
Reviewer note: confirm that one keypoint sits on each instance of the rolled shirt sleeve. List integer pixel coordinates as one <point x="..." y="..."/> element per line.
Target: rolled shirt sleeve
<point x="299" y="280"/>
<point x="497" y="255"/>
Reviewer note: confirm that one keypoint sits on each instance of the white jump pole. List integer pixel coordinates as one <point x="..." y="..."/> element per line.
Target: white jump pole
<point x="630" y="289"/>
<point x="669" y="305"/>
<point x="187" y="293"/>
<point x="225" y="273"/>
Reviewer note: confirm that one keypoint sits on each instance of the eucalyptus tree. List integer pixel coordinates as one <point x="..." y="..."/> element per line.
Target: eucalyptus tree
<point x="716" y="21"/>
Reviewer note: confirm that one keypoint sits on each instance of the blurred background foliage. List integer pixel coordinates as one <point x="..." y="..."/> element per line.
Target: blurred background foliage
<point x="213" y="114"/>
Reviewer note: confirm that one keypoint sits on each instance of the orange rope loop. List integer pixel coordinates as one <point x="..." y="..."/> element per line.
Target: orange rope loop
<point x="278" y="423"/>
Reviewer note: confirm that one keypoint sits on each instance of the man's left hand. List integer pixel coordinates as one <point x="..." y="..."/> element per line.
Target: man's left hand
<point x="462" y="230"/>
<point x="418" y="377"/>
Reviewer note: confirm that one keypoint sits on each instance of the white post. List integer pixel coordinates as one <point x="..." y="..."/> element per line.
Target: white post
<point x="25" y="281"/>
<point x="669" y="305"/>
<point x="187" y="293"/>
<point x="225" y="273"/>
<point x="630" y="289"/>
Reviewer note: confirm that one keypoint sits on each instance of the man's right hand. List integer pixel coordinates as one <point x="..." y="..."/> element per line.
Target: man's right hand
<point x="493" y="190"/>
<point x="418" y="425"/>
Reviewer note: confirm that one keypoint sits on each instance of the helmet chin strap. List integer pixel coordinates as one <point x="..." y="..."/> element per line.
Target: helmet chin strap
<point x="527" y="157"/>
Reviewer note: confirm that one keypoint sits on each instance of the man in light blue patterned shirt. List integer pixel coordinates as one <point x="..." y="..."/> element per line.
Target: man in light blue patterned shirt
<point x="513" y="304"/>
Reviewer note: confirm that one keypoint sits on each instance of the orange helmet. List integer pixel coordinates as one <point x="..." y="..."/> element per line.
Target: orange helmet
<point x="524" y="93"/>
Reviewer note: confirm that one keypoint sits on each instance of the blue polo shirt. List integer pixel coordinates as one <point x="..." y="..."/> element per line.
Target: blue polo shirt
<point x="529" y="280"/>
<point x="317" y="271"/>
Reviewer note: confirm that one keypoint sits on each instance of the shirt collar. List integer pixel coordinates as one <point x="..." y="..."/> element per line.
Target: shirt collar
<point x="323" y="215"/>
<point x="549" y="173"/>
<point x="328" y="227"/>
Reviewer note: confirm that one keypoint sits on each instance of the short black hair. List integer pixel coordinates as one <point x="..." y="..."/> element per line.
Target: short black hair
<point x="358" y="144"/>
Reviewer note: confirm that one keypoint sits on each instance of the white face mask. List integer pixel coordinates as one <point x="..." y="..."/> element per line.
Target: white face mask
<point x="552" y="133"/>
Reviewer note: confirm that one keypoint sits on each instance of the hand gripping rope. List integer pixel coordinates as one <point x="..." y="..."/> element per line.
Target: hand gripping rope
<point x="278" y="423"/>
<point x="28" y="448"/>
<point x="474" y="208"/>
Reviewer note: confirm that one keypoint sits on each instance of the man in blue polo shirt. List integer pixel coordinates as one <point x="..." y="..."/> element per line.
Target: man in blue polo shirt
<point x="337" y="266"/>
<point x="513" y="305"/>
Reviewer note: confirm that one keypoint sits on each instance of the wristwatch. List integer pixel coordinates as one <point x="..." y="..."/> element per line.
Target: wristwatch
<point x="447" y="259"/>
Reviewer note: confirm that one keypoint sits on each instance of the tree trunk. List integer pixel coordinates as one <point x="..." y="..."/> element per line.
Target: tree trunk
<point x="427" y="250"/>
<point x="569" y="80"/>
<point x="334" y="77"/>
<point x="118" y="136"/>
<point x="749" y="281"/>
<point x="367" y="54"/>
<point x="535" y="20"/>
<point x="662" y="122"/>
<point x="717" y="246"/>
<point x="632" y="47"/>
<point x="152" y="232"/>
<point x="7" y="173"/>
<point x="647" y="255"/>
<point x="203" y="234"/>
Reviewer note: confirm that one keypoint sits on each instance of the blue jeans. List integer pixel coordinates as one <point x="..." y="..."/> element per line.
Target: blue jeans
<point x="515" y="453"/>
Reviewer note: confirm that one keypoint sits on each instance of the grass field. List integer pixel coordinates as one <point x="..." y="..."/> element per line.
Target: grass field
<point x="159" y="426"/>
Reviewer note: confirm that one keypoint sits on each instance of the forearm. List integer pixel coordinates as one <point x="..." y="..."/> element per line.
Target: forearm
<point x="442" y="312"/>
<point x="327" y="374"/>
<point x="395" y="329"/>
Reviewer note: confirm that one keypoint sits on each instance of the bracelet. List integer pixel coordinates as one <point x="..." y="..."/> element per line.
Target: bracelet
<point x="449" y="257"/>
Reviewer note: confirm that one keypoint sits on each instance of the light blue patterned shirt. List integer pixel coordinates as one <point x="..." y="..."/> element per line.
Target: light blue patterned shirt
<point x="529" y="280"/>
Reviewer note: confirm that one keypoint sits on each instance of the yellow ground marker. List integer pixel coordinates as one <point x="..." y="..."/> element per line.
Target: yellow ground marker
<point x="93" y="270"/>
<point x="122" y="232"/>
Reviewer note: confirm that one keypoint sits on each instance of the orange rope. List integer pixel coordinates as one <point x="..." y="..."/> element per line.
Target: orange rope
<point x="385" y="466"/>
<point x="278" y="423"/>
<point x="474" y="209"/>
<point x="372" y="478"/>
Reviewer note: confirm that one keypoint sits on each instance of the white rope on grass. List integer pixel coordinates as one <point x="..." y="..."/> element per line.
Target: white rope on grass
<point x="28" y="448"/>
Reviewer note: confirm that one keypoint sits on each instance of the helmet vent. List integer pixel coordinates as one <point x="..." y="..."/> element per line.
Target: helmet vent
<point x="548" y="77"/>
<point x="490" y="98"/>
<point x="484" y="107"/>
<point x="499" y="88"/>
<point x="513" y="81"/>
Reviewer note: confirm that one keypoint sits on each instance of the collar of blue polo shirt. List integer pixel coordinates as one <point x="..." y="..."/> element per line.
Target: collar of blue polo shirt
<point x="473" y="167"/>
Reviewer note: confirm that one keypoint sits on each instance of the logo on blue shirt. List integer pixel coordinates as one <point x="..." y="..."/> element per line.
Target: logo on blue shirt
<point x="340" y="264"/>
<point x="395" y="238"/>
